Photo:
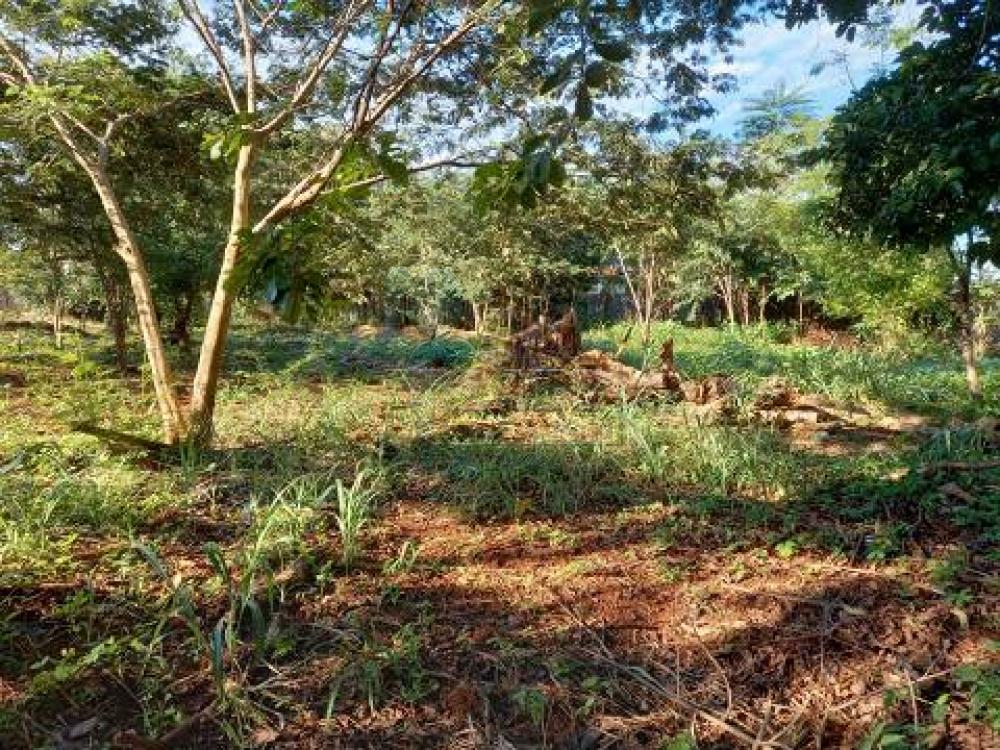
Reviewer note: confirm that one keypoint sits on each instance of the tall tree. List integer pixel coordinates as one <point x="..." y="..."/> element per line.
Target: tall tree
<point x="654" y="201"/>
<point x="80" y="70"/>
<point x="915" y="154"/>
<point x="776" y="110"/>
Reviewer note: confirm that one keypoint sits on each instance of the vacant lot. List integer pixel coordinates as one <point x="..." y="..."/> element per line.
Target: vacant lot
<point x="396" y="545"/>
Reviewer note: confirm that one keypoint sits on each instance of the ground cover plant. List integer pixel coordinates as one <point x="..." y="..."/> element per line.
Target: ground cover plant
<point x="386" y="553"/>
<point x="501" y="374"/>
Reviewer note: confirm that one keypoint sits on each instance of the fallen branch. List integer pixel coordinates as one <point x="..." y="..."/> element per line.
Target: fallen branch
<point x="684" y="704"/>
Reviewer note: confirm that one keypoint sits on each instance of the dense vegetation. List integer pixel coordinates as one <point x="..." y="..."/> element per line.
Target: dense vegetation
<point x="275" y="472"/>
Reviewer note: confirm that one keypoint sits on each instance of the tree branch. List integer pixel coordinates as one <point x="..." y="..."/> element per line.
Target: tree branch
<point x="192" y="11"/>
<point x="12" y="53"/>
<point x="311" y="186"/>
<point x="249" y="55"/>
<point x="400" y="88"/>
<point x="363" y="101"/>
<point x="425" y="167"/>
<point x="305" y="190"/>
<point x="306" y="86"/>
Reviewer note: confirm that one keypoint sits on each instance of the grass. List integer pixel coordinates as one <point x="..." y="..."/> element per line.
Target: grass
<point x="927" y="378"/>
<point x="384" y="544"/>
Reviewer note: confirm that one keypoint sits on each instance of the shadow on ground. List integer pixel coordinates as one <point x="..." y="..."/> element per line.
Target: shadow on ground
<point x="553" y="595"/>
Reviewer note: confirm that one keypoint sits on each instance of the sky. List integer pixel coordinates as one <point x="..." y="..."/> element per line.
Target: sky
<point x="772" y="54"/>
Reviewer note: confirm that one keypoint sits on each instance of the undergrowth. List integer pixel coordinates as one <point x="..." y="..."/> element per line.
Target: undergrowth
<point x="265" y="580"/>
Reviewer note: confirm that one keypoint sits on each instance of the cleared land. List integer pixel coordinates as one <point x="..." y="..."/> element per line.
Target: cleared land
<point x="534" y="570"/>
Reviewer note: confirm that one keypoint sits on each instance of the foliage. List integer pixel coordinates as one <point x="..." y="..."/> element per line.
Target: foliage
<point x="354" y="507"/>
<point x="220" y="581"/>
<point x="915" y="153"/>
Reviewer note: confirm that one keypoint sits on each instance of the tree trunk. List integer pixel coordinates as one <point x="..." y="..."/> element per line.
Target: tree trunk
<point x="745" y="305"/>
<point x="647" y="312"/>
<point x="180" y="334"/>
<point x="118" y="323"/>
<point x="172" y="417"/>
<point x="57" y="323"/>
<point x="967" y="332"/>
<point x="477" y="317"/>
<point x="762" y="305"/>
<point x="116" y="313"/>
<point x="206" y="379"/>
<point x="728" y="298"/>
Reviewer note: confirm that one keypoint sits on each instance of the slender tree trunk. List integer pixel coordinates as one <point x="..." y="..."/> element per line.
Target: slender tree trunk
<point x="728" y="298"/>
<point x="745" y="305"/>
<point x="116" y="312"/>
<point x="118" y="323"/>
<point x="641" y="315"/>
<point x="180" y="334"/>
<point x="477" y="317"/>
<point x="798" y="294"/>
<point x="762" y="305"/>
<point x="206" y="379"/>
<point x="967" y="333"/>
<point x="648" y="308"/>
<point x="171" y="414"/>
<point x="57" y="320"/>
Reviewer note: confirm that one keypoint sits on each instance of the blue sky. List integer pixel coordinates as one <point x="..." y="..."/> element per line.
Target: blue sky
<point x="771" y="54"/>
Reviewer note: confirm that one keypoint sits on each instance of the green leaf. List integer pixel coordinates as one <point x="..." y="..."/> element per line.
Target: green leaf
<point x="682" y="741"/>
<point x="557" y="173"/>
<point x="541" y="167"/>
<point x="542" y="14"/>
<point x="218" y="562"/>
<point x="217" y="649"/>
<point x="614" y="50"/>
<point x="939" y="710"/>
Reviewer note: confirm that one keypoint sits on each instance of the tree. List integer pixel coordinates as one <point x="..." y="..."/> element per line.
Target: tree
<point x="915" y="154"/>
<point x="777" y="110"/>
<point x="80" y="70"/>
<point x="652" y="204"/>
<point x="56" y="237"/>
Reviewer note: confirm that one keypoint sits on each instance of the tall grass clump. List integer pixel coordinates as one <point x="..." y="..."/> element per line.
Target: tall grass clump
<point x="355" y="503"/>
<point x="715" y="459"/>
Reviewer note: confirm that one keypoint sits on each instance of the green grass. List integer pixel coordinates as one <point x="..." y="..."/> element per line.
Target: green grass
<point x="927" y="379"/>
<point x="264" y="576"/>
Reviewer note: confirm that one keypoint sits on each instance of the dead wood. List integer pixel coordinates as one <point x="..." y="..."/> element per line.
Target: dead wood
<point x="13" y="378"/>
<point x="561" y="340"/>
<point x="678" y="704"/>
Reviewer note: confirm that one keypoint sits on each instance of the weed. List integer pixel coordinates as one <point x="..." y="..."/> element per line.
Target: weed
<point x="982" y="684"/>
<point x="373" y="664"/>
<point x="354" y="507"/>
<point x="405" y="560"/>
<point x="532" y="703"/>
